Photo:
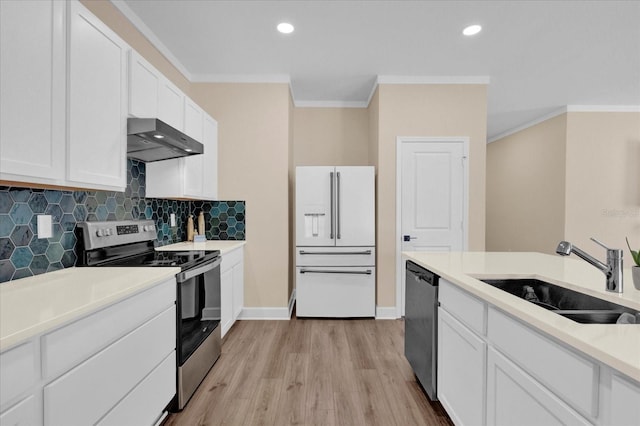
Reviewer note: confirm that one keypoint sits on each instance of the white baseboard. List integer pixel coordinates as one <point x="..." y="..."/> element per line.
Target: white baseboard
<point x="278" y="313"/>
<point x="386" y="312"/>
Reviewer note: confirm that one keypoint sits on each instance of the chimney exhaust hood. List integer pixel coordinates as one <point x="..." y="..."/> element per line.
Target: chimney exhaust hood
<point x="150" y="139"/>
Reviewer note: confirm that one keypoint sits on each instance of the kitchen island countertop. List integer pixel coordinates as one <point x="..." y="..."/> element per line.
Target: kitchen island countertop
<point x="617" y="346"/>
<point x="35" y="305"/>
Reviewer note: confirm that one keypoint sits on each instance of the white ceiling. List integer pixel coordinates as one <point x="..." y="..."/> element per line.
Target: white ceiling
<point x="539" y="56"/>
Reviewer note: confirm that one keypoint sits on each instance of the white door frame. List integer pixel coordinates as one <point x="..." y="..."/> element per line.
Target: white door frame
<point x="465" y="217"/>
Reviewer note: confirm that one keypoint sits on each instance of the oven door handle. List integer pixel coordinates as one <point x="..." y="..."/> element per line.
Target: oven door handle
<point x="190" y="273"/>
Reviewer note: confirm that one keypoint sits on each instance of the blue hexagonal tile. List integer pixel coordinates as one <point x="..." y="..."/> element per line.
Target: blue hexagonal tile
<point x="232" y="221"/>
<point x="120" y="212"/>
<point x="67" y="203"/>
<point x="69" y="258"/>
<point x="6" y="270"/>
<point x="148" y="212"/>
<point x="239" y="206"/>
<point x="54" y="266"/>
<point x="21" y="213"/>
<point x="57" y="233"/>
<point x="55" y="211"/>
<point x="22" y="273"/>
<point x="6" y="225"/>
<point x="91" y="204"/>
<point x="54" y="252"/>
<point x="80" y="213"/>
<point x="239" y="226"/>
<point x="80" y="196"/>
<point x="21" y="235"/>
<point x="6" y="202"/>
<point x="102" y="213"/>
<point x="20" y="195"/>
<point x="101" y="196"/>
<point x="38" y="202"/>
<point x="39" y="264"/>
<point x="21" y="257"/>
<point x="111" y="204"/>
<point x="6" y="248"/>
<point x="119" y="198"/>
<point x="39" y="245"/>
<point x="68" y="222"/>
<point x="68" y="240"/>
<point x="53" y="196"/>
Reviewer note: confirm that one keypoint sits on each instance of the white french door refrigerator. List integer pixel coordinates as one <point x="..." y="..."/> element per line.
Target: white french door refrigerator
<point x="335" y="241"/>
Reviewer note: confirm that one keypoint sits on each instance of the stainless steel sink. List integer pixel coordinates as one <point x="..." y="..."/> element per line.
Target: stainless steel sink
<point x="571" y="304"/>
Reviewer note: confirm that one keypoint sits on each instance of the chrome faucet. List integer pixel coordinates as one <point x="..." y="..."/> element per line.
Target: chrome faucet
<point x="612" y="269"/>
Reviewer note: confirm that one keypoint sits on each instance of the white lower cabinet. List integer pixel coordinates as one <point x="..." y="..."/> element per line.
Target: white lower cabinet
<point x="23" y="413"/>
<point x="516" y="375"/>
<point x="231" y="288"/>
<point x="113" y="366"/>
<point x="461" y="371"/>
<point x="515" y="398"/>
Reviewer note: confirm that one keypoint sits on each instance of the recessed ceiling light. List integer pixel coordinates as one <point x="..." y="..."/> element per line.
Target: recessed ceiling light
<point x="158" y="136"/>
<point x="285" y="28"/>
<point x="472" y="30"/>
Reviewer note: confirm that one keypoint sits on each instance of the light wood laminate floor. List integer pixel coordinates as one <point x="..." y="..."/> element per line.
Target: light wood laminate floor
<point x="312" y="372"/>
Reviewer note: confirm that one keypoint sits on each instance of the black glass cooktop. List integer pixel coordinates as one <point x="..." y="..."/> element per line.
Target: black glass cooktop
<point x="144" y="254"/>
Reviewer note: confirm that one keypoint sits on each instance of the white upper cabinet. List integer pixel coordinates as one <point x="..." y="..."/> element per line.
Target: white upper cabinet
<point x="171" y="104"/>
<point x="97" y="96"/>
<point x="210" y="159"/>
<point x="193" y="116"/>
<point x="144" y="86"/>
<point x="32" y="91"/>
<point x="64" y="97"/>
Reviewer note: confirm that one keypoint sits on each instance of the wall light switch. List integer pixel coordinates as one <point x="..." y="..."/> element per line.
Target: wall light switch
<point x="173" y="219"/>
<point x="45" y="229"/>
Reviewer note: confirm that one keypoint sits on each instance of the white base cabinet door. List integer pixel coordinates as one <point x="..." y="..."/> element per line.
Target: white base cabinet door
<point x="231" y="288"/>
<point x="514" y="398"/>
<point x="22" y="414"/>
<point x="461" y="371"/>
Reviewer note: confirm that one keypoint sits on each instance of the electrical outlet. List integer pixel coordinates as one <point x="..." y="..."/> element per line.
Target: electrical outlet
<point x="172" y="219"/>
<point x="45" y="228"/>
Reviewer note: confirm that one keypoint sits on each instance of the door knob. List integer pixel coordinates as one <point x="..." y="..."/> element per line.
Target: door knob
<point x="408" y="238"/>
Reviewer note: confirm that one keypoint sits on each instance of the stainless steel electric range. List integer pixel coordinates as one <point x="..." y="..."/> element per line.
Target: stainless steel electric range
<point x="132" y="243"/>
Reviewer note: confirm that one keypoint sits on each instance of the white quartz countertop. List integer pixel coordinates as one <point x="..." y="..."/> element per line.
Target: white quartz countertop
<point x="224" y="246"/>
<point x="617" y="346"/>
<point x="35" y="305"/>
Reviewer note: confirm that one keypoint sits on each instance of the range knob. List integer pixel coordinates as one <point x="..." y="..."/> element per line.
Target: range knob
<point x="100" y="232"/>
<point x="147" y="228"/>
<point x="107" y="231"/>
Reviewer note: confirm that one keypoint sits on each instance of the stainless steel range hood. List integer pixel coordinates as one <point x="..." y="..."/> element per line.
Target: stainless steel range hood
<point x="150" y="139"/>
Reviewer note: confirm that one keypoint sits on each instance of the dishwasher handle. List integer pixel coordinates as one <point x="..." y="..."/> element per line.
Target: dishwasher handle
<point x="422" y="274"/>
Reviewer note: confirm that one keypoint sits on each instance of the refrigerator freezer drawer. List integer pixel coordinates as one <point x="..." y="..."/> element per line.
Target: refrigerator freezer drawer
<point x="336" y="292"/>
<point x="335" y="256"/>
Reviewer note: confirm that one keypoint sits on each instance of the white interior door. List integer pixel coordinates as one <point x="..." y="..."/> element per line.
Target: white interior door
<point x="432" y="179"/>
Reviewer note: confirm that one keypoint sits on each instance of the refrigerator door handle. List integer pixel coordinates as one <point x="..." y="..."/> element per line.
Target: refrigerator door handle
<point x="363" y="252"/>
<point x="331" y="190"/>
<point x="334" y="271"/>
<point x="338" y="204"/>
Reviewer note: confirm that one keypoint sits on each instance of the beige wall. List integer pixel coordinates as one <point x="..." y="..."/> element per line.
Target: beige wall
<point x="111" y="16"/>
<point x="603" y="180"/>
<point x="526" y="188"/>
<point x="426" y="110"/>
<point x="331" y="136"/>
<point x="253" y="148"/>
<point x="292" y="200"/>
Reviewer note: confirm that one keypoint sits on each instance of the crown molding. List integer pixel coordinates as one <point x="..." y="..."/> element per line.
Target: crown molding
<point x="528" y="124"/>
<point x="331" y="104"/>
<point x="241" y="78"/>
<point x="151" y="36"/>
<point x="603" y="108"/>
<point x="428" y="79"/>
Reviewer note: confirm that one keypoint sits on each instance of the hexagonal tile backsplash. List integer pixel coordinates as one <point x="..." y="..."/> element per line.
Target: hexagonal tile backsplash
<point x="22" y="254"/>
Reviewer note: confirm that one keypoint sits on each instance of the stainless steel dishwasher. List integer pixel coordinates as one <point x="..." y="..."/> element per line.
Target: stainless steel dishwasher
<point x="421" y="326"/>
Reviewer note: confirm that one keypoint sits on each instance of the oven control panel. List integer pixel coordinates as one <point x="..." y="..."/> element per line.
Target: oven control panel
<point x="110" y="233"/>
